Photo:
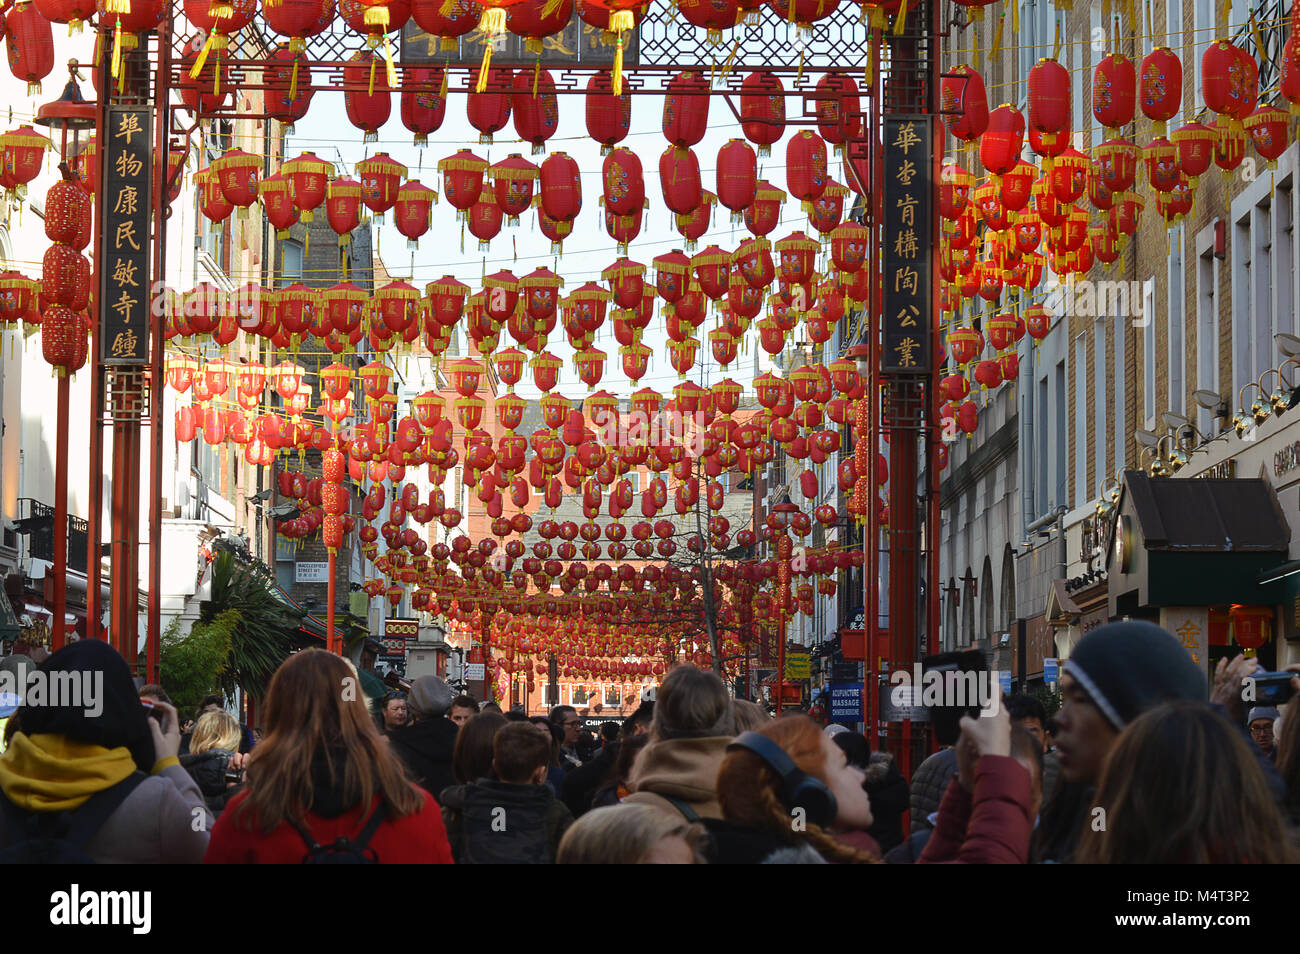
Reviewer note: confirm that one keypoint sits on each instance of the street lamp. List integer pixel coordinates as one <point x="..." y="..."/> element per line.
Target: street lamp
<point x="860" y="354"/>
<point x="69" y="113"/>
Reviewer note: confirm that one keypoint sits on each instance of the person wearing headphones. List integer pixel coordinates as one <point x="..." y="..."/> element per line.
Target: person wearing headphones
<point x="789" y="796"/>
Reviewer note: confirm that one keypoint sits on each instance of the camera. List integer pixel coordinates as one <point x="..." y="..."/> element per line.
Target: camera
<point x="1272" y="688"/>
<point x="234" y="776"/>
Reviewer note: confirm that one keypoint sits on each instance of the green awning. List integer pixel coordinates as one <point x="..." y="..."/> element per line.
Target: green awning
<point x="9" y="628"/>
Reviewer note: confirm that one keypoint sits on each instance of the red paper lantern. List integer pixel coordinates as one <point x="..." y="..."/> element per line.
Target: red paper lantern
<point x="445" y="21"/>
<point x="287" y="74"/>
<point x="679" y="177"/>
<point x="1114" y="91"/>
<point x="29" y="42"/>
<point x="838" y="108"/>
<point x="764" y="213"/>
<point x="1267" y="127"/>
<point x="762" y="110"/>
<point x="411" y="210"/>
<point x="805" y="164"/>
<point x="1160" y="90"/>
<point x="1049" y="98"/>
<point x="696" y="223"/>
<point x="424" y="101"/>
<point x="622" y="182"/>
<point x="1001" y="143"/>
<point x="965" y="103"/>
<point x="560" y="187"/>
<point x="609" y="116"/>
<point x="462" y="180"/>
<point x="488" y="110"/>
<point x="308" y="174"/>
<point x="686" y="108"/>
<point x="535" y="108"/>
<point x="367" y="98"/>
<point x="512" y="184"/>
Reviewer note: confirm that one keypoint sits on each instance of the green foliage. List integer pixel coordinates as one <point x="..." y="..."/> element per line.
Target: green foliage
<point x="264" y="635"/>
<point x="192" y="665"/>
<point x="1050" y="698"/>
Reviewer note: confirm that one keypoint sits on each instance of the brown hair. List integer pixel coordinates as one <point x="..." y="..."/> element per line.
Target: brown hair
<point x="315" y="710"/>
<point x="471" y="760"/>
<point x="748" y="715"/>
<point x="692" y="703"/>
<point x="518" y="751"/>
<point x="749" y="791"/>
<point x="1181" y="786"/>
<point x="624" y="835"/>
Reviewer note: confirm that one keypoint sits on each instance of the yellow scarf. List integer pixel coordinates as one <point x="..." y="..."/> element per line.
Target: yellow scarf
<point x="51" y="773"/>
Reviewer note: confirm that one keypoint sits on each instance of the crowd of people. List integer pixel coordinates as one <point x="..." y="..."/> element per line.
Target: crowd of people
<point x="1144" y="762"/>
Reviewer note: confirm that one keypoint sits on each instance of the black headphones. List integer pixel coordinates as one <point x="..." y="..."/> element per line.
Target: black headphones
<point x="798" y="788"/>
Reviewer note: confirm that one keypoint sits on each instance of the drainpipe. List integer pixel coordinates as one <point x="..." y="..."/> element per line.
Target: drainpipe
<point x="1056" y="517"/>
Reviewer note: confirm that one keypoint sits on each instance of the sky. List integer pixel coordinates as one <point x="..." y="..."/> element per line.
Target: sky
<point x="523" y="248"/>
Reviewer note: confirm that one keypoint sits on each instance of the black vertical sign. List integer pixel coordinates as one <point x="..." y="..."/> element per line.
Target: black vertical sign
<point x="906" y="241"/>
<point x="124" y="304"/>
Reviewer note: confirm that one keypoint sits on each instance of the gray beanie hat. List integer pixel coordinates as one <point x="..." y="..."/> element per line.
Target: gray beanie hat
<point x="1263" y="712"/>
<point x="1131" y="666"/>
<point x="429" y="697"/>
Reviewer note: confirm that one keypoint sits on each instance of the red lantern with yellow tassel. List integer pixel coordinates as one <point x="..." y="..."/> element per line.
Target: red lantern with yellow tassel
<point x="609" y="116"/>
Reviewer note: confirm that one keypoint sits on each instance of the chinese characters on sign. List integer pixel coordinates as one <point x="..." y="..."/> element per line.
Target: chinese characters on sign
<point x="906" y="246"/>
<point x="578" y="42"/>
<point x="1191" y="624"/>
<point x="124" y="272"/>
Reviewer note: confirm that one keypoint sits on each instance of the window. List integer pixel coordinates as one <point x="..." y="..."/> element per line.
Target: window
<point x="1080" y="418"/>
<point x="613" y="695"/>
<point x="1207" y="325"/>
<point x="1284" y="255"/>
<point x="1149" y="354"/>
<point x="1120" y="392"/>
<point x="1060" y="435"/>
<point x="1042" y="439"/>
<point x="1177" y="326"/>
<point x="1261" y="255"/>
<point x="1242" y="353"/>
<point x="1202" y="37"/>
<point x="1100" y="404"/>
<point x="579" y="696"/>
<point x="290" y="263"/>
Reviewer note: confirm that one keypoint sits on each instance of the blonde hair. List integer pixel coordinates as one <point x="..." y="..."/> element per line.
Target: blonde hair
<point x="216" y="730"/>
<point x="624" y="835"/>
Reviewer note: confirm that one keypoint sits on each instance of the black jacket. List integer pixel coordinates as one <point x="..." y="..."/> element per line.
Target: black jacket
<point x="425" y="747"/>
<point x="732" y="844"/>
<point x="208" y="769"/>
<point x="493" y="822"/>
<point x="580" y="784"/>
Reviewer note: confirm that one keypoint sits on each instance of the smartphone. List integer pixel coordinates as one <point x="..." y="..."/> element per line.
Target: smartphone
<point x="1272" y="688"/>
<point x="153" y="712"/>
<point x="952" y="667"/>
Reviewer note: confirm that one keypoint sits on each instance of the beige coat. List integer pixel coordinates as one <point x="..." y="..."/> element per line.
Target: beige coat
<point x="686" y="769"/>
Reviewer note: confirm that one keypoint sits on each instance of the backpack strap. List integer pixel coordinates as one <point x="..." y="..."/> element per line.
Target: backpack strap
<point x="359" y="844"/>
<point x="686" y="810"/>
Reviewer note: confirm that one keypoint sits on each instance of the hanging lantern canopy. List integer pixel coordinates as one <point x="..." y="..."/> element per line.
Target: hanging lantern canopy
<point x="462" y="180"/>
<point x="484" y="221"/>
<point x="212" y="200"/>
<point x="1069" y="176"/>
<point x="849" y="246"/>
<point x="1195" y="142"/>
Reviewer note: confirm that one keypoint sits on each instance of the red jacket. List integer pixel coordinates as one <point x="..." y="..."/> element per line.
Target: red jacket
<point x="415" y="839"/>
<point x="990" y="826"/>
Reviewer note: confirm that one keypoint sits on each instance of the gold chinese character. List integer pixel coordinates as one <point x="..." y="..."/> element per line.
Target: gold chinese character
<point x="906" y="172"/>
<point x="908" y="204"/>
<point x="906" y="279"/>
<point x="128" y="127"/>
<point x="907" y="137"/>
<point x="1190" y="634"/>
<point x="125" y="236"/>
<point x="124" y="305"/>
<point x="128" y="200"/>
<point x="124" y="273"/>
<point x="128" y="165"/>
<point x="907" y="317"/>
<point x="124" y="344"/>
<point x="906" y="350"/>
<point x="905" y="245"/>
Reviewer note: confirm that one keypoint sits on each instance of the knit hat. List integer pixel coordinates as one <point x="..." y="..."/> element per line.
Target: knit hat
<point x="1131" y="666"/>
<point x="1263" y="712"/>
<point x="429" y="697"/>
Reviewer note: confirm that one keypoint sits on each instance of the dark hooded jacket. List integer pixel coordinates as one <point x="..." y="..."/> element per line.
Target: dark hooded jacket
<point x="208" y="769"/>
<point x="492" y="822"/>
<point x="426" y="747"/>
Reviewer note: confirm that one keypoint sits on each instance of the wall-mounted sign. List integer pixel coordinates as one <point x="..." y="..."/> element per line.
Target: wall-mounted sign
<point x="311" y="572"/>
<point x="125" y="304"/>
<point x="906" y="247"/>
